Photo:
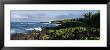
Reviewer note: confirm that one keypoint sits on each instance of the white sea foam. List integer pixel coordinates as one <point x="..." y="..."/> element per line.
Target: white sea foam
<point x="16" y="31"/>
<point x="12" y="31"/>
<point x="39" y="28"/>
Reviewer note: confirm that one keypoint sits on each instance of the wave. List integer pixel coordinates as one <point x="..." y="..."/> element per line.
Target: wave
<point x="16" y="31"/>
<point x="38" y="28"/>
<point x="27" y="27"/>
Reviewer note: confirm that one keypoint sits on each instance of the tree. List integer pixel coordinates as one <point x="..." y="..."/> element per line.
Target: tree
<point x="92" y="20"/>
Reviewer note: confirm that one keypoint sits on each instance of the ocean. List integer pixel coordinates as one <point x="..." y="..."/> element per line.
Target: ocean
<point x="25" y="27"/>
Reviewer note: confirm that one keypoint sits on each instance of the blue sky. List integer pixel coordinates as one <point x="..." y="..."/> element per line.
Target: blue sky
<point x="46" y="15"/>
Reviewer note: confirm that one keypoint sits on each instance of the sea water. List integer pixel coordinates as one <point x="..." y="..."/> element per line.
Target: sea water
<point x="25" y="27"/>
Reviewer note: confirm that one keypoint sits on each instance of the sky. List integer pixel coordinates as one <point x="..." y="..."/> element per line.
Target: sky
<point x="46" y="15"/>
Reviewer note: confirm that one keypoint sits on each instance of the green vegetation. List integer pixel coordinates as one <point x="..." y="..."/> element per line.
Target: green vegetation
<point x="74" y="33"/>
<point x="87" y="28"/>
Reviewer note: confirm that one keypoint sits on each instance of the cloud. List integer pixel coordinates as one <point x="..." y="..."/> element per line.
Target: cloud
<point x="45" y="15"/>
<point x="18" y="16"/>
